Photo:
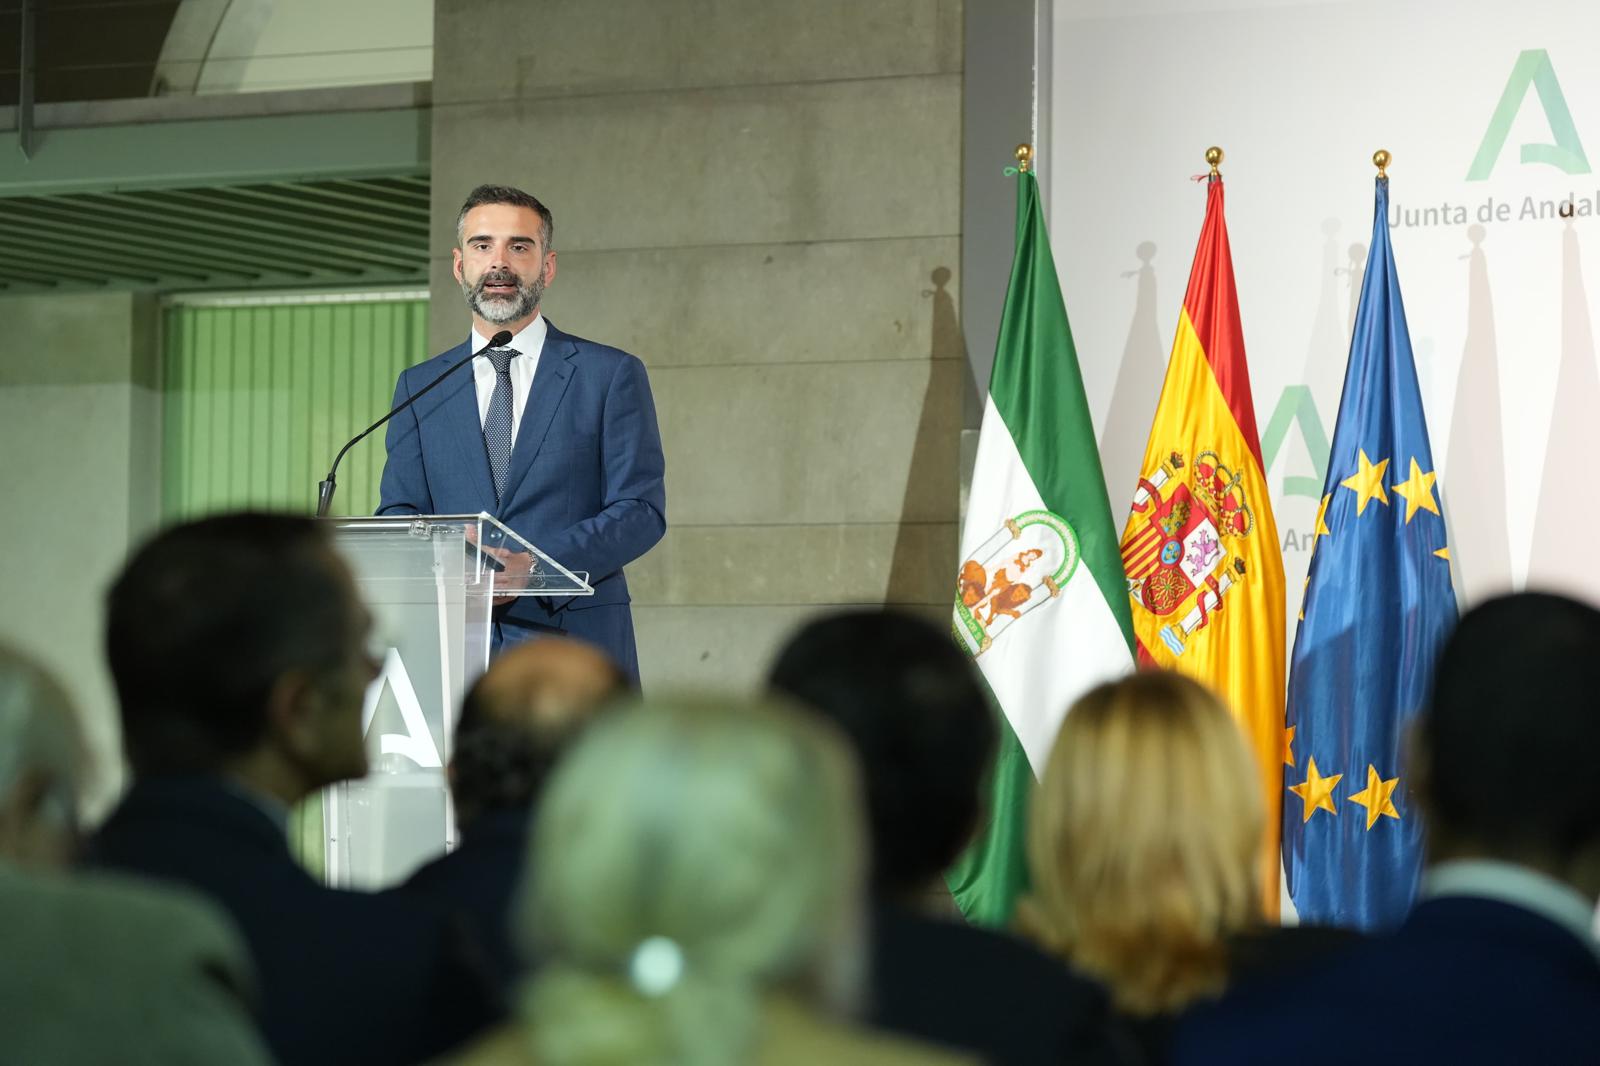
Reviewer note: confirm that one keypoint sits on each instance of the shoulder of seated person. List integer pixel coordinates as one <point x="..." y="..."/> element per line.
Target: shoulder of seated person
<point x="795" y="1035"/>
<point x="178" y="914"/>
<point x="505" y="1046"/>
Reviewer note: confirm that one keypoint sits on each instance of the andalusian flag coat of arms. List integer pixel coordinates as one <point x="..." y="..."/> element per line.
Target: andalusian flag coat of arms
<point x="1201" y="550"/>
<point x="1040" y="597"/>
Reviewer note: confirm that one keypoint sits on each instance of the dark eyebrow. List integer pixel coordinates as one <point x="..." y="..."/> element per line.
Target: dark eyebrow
<point x="486" y="237"/>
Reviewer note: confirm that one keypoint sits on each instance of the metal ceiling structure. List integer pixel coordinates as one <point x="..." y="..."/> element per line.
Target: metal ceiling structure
<point x="277" y="234"/>
<point x="305" y="189"/>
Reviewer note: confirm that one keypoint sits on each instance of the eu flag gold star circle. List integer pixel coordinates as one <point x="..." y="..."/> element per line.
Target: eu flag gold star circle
<point x="1316" y="791"/>
<point x="1418" y="491"/>
<point x="1377" y="797"/>
<point x="1367" y="483"/>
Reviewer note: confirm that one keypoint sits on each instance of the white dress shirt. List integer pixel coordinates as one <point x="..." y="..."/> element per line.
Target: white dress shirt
<point x="528" y="343"/>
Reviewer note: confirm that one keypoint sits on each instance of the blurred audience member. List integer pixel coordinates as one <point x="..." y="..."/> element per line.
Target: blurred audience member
<point x="1498" y="961"/>
<point x="914" y="708"/>
<point x="97" y="969"/>
<point x="1143" y="843"/>
<point x="238" y="649"/>
<point x="41" y="752"/>
<point x="694" y="898"/>
<point x="515" y="723"/>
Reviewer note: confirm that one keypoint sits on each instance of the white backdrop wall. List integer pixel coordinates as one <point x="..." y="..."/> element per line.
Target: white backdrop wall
<point x="1300" y="95"/>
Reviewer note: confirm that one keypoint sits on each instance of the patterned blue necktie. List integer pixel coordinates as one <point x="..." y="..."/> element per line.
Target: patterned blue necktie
<point x="497" y="423"/>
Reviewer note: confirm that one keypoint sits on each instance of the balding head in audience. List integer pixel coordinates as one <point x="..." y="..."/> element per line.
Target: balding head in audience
<point x="518" y="719"/>
<point x="40" y="759"/>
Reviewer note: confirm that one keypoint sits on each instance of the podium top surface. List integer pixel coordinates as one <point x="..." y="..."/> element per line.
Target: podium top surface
<point x="473" y="549"/>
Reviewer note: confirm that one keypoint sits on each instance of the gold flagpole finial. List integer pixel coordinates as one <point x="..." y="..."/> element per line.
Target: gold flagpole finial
<point x="1380" y="159"/>
<point x="1214" y="159"/>
<point x="1024" y="157"/>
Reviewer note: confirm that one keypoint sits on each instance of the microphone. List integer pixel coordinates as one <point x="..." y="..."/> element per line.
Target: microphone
<point x="325" y="488"/>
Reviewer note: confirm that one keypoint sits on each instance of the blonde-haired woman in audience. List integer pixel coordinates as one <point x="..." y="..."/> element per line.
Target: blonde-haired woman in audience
<point x="694" y="896"/>
<point x="1143" y="844"/>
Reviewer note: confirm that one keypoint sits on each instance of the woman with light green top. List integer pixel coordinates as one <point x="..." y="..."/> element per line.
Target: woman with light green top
<point x="694" y="897"/>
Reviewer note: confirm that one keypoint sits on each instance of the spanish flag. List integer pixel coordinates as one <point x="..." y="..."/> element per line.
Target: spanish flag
<point x="1201" y="551"/>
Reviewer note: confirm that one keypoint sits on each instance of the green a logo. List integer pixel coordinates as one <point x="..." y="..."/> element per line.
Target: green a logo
<point x="1533" y="68"/>
<point x="1297" y="409"/>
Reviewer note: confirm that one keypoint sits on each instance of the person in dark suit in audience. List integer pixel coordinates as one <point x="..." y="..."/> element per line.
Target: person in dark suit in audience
<point x="516" y="722"/>
<point x="1143" y="843"/>
<point x="913" y="707"/>
<point x="238" y="647"/>
<point x="1498" y="961"/>
<point x="98" y="968"/>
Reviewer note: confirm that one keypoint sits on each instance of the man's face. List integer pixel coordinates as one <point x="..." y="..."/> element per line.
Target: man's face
<point x="502" y="264"/>
<point x="339" y="748"/>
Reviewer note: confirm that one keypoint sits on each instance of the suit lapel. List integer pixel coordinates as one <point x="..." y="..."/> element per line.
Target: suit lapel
<point x="459" y="409"/>
<point x="550" y="383"/>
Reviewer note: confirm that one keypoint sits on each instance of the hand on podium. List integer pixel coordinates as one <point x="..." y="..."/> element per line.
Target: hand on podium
<point x="515" y="566"/>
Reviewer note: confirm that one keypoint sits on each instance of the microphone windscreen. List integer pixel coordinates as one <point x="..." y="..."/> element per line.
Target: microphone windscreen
<point x="500" y="340"/>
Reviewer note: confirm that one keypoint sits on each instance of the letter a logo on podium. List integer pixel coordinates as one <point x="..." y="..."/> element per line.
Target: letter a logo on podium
<point x="1533" y="70"/>
<point x="416" y="743"/>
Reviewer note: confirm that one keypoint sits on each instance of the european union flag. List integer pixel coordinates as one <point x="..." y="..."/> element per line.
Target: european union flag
<point x="1378" y="606"/>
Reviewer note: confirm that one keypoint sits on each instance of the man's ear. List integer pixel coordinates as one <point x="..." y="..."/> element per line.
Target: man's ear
<point x="291" y="714"/>
<point x="549" y="267"/>
<point x="455" y="263"/>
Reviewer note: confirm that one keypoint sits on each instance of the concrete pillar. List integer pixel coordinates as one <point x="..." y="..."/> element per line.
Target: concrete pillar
<point x="80" y="432"/>
<point x="763" y="202"/>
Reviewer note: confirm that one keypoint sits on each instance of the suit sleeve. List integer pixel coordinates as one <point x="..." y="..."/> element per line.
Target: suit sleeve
<point x="404" y="486"/>
<point x="633" y="516"/>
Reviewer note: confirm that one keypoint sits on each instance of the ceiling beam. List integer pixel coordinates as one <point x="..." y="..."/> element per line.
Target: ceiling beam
<point x="218" y="151"/>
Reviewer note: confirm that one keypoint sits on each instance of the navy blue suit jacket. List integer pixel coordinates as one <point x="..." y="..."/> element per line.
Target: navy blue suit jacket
<point x="480" y="879"/>
<point x="346" y="977"/>
<point x="986" y="992"/>
<point x="586" y="484"/>
<point x="1464" y="981"/>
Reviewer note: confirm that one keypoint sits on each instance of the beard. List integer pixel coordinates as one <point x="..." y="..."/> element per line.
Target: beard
<point x="508" y="308"/>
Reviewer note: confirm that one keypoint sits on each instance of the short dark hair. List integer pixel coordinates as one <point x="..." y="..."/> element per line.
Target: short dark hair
<point x="206" y="618"/>
<point x="502" y="759"/>
<point x="1513" y="706"/>
<point x="507" y="194"/>
<point x="916" y="712"/>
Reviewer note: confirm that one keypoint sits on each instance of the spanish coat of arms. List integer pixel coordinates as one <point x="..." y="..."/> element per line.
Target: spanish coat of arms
<point x="1176" y="551"/>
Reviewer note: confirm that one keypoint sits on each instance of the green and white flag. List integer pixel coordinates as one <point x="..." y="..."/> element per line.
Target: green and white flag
<point x="1041" y="600"/>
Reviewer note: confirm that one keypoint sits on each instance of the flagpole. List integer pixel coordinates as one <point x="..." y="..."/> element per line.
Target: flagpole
<point x="1381" y="159"/>
<point x="1214" y="158"/>
<point x="1024" y="156"/>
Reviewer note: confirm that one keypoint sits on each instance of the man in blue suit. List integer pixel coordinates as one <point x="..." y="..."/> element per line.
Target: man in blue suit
<point x="1498" y="961"/>
<point x="554" y="435"/>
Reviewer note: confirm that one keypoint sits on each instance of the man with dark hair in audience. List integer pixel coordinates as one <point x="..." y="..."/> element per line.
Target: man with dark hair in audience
<point x="238" y="647"/>
<point x="914" y="709"/>
<point x="1498" y="961"/>
<point x="98" y="968"/>
<point x="515" y="724"/>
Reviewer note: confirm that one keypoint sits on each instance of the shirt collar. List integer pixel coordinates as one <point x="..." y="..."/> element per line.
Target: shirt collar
<point x="528" y="341"/>
<point x="1518" y="886"/>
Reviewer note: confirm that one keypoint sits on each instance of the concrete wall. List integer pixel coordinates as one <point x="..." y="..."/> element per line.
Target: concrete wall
<point x="80" y="433"/>
<point x="762" y="201"/>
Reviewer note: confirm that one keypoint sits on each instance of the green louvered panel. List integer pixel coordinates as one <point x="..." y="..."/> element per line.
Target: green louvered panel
<point x="260" y="397"/>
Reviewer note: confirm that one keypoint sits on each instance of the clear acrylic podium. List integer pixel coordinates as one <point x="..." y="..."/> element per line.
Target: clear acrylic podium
<point x="430" y="582"/>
